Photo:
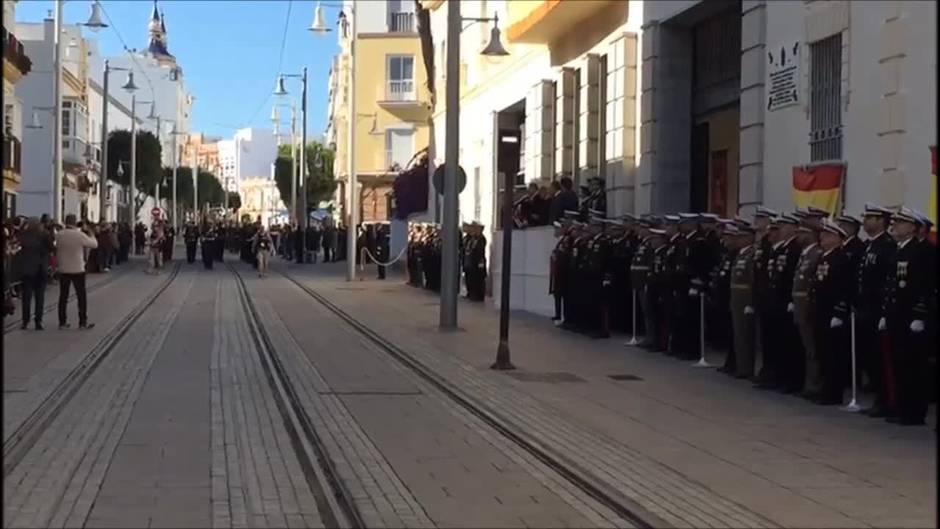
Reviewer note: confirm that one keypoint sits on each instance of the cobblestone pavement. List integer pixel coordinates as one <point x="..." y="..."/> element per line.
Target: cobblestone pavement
<point x="184" y="423"/>
<point x="776" y="457"/>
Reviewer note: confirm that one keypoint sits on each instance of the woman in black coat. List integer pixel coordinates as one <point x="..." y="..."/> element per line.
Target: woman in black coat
<point x="35" y="247"/>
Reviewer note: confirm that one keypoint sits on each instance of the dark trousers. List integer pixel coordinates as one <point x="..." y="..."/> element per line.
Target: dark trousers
<point x="558" y="299"/>
<point x="65" y="280"/>
<point x="33" y="287"/>
<point x="909" y="357"/>
<point x="327" y="254"/>
<point x="832" y="346"/>
<point x="869" y="350"/>
<point x="190" y="252"/>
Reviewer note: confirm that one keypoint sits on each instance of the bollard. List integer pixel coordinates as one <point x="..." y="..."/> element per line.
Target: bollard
<point x="702" y="362"/>
<point x="633" y="340"/>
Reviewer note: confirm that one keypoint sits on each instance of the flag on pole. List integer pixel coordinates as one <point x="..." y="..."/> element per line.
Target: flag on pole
<point x="818" y="186"/>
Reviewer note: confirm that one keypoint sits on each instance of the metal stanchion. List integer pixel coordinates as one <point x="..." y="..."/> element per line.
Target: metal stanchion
<point x="633" y="341"/>
<point x="853" y="404"/>
<point x="702" y="362"/>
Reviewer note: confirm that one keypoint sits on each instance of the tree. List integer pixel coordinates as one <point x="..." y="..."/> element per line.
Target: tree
<point x="321" y="183"/>
<point x="149" y="168"/>
<point x="210" y="190"/>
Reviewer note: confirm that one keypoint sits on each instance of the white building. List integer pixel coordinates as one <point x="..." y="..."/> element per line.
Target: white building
<point x="261" y="200"/>
<point x="670" y="103"/>
<point x="249" y="154"/>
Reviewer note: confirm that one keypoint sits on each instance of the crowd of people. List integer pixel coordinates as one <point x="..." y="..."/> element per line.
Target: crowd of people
<point x="544" y="205"/>
<point x="423" y="262"/>
<point x="784" y="285"/>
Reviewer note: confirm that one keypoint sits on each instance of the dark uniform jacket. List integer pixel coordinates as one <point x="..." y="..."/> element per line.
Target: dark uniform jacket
<point x="780" y="271"/>
<point x="908" y="288"/>
<point x="831" y="289"/>
<point x="873" y="271"/>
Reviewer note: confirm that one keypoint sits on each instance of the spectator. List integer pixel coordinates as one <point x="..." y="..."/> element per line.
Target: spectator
<point x="35" y="247"/>
<point x="70" y="256"/>
<point x="125" y="239"/>
<point x="113" y="243"/>
<point x="564" y="199"/>
<point x="541" y="207"/>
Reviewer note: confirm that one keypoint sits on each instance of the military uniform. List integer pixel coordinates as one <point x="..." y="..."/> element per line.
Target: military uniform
<point x="621" y="308"/>
<point x="803" y="316"/>
<point x="743" y="312"/>
<point x="191" y="236"/>
<point x="659" y="297"/>
<point x="906" y="304"/>
<point x="640" y="268"/>
<point x="209" y="250"/>
<point x="474" y="263"/>
<point x="782" y="343"/>
<point x="718" y="305"/>
<point x="830" y="294"/>
<point x="558" y="273"/>
<point x="598" y="279"/>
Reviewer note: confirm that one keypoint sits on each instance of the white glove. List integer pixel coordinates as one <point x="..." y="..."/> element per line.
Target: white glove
<point x="693" y="292"/>
<point x="883" y="324"/>
<point x="917" y="326"/>
<point x="790" y="307"/>
<point x="749" y="310"/>
<point x="835" y="322"/>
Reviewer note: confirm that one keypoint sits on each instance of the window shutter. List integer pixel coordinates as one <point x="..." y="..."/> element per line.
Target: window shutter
<point x="564" y="123"/>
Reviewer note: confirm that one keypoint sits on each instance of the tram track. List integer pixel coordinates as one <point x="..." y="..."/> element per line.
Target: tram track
<point x="22" y="439"/>
<point x="334" y="502"/>
<point x="15" y="322"/>
<point x="500" y="425"/>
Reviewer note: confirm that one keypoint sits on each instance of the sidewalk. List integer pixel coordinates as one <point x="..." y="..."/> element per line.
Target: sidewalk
<point x="786" y="460"/>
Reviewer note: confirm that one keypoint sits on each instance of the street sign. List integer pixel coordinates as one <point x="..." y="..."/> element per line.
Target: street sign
<point x="438" y="179"/>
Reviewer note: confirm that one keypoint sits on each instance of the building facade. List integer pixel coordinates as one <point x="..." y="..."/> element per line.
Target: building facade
<point x="250" y="154"/>
<point x="689" y="105"/>
<point x="16" y="64"/>
<point x="392" y="104"/>
<point x="261" y="201"/>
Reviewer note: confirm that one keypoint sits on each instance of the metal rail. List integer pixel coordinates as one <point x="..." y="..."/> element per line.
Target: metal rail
<point x="21" y="440"/>
<point x="336" y="509"/>
<point x="634" y="514"/>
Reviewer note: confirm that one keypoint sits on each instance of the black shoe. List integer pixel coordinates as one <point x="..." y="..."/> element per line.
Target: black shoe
<point x="86" y="326"/>
<point x="63" y="326"/>
<point x="39" y="326"/>
<point x="25" y="325"/>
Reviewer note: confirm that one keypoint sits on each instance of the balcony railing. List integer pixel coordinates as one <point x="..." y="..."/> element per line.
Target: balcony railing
<point x="400" y="90"/>
<point x="74" y="151"/>
<point x="13" y="52"/>
<point x="402" y="22"/>
<point x="12" y="151"/>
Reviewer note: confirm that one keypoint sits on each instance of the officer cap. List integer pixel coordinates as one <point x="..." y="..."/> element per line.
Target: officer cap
<point x="832" y="227"/>
<point x="613" y="222"/>
<point x="745" y="229"/>
<point x="657" y="232"/>
<point x="786" y="219"/>
<point x="596" y="213"/>
<point x="906" y="214"/>
<point x="645" y="223"/>
<point x="923" y="218"/>
<point x="765" y="212"/>
<point x="725" y="221"/>
<point x="629" y="217"/>
<point x="689" y="217"/>
<point x="849" y="219"/>
<point x="571" y="214"/>
<point x="813" y="211"/>
<point x="709" y="217"/>
<point x="731" y="229"/>
<point x="871" y="210"/>
<point x="805" y="228"/>
<point x="670" y="219"/>
<point x="800" y="213"/>
<point x="740" y="221"/>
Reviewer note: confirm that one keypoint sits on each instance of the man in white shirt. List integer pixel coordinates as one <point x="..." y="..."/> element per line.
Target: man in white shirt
<point x="70" y="256"/>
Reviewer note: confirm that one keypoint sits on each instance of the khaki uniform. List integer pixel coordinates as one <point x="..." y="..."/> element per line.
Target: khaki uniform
<point x="803" y="316"/>
<point x="742" y="296"/>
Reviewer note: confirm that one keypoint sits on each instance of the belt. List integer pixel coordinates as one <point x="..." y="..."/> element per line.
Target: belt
<point x="635" y="268"/>
<point x="801" y="294"/>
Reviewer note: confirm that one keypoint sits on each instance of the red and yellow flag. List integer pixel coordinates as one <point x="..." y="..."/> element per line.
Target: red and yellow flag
<point x="818" y="186"/>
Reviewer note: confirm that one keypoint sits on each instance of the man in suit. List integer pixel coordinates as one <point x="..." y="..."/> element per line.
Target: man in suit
<point x="35" y="247"/>
<point x="565" y="199"/>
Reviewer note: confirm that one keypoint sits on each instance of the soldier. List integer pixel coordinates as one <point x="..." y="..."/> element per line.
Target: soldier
<point x="557" y="269"/>
<point x="873" y="274"/>
<point x="742" y="301"/>
<point x="766" y="237"/>
<point x="830" y="295"/>
<point x="208" y="244"/>
<point x="598" y="278"/>
<point x="475" y="262"/>
<point x="853" y="246"/>
<point x="621" y="252"/>
<point x="695" y="261"/>
<point x="674" y="250"/>
<point x="719" y="296"/>
<point x="782" y="340"/>
<point x="905" y="316"/>
<point x="640" y="268"/>
<point x="381" y="249"/>
<point x="802" y="310"/>
<point x="659" y="291"/>
<point x="191" y="236"/>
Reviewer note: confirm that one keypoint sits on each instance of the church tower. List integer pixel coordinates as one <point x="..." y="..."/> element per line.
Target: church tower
<point x="158" y="39"/>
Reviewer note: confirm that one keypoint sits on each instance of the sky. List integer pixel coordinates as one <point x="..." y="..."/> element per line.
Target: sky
<point x="229" y="51"/>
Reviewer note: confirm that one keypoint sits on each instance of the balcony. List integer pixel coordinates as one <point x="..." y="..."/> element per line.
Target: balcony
<point x="401" y="22"/>
<point x="75" y="151"/>
<point x="14" y="53"/>
<point x="12" y="154"/>
<point x="398" y="94"/>
<point x="544" y="21"/>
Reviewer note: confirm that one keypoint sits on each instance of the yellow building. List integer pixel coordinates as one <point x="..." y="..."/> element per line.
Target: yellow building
<point x="392" y="110"/>
<point x="16" y="64"/>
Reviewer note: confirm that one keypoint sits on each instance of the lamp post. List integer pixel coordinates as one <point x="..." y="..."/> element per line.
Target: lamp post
<point x="94" y="23"/>
<point x="281" y="91"/>
<point x="129" y="86"/>
<point x="275" y="118"/>
<point x="175" y="132"/>
<point x="348" y="27"/>
<point x="450" y="275"/>
<point x="134" y="103"/>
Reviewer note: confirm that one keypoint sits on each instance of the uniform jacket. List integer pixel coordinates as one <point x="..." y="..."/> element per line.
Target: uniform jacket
<point x="781" y="269"/>
<point x="908" y="286"/>
<point x="806" y="270"/>
<point x="831" y="289"/>
<point x="873" y="271"/>
<point x="742" y="276"/>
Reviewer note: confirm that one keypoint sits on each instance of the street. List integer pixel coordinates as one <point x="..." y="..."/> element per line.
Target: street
<point x="215" y="398"/>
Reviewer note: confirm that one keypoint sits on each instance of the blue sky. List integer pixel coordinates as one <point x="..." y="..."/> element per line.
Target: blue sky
<point x="228" y="49"/>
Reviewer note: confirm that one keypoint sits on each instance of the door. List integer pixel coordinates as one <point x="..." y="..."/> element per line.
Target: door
<point x="400" y="147"/>
<point x="698" y="184"/>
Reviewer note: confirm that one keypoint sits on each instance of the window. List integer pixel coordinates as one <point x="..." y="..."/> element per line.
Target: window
<point x="66" y="118"/>
<point x="613" y="145"/>
<point x="400" y="77"/>
<point x="825" y="105"/>
<point x="399" y="147"/>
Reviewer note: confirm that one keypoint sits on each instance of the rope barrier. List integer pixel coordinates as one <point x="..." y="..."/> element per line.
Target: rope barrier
<point x="365" y="251"/>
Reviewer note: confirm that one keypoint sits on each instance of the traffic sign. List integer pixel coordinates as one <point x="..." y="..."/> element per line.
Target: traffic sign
<point x="438" y="179"/>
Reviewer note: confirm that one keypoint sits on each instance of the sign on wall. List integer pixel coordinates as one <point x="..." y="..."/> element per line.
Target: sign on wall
<point x="783" y="76"/>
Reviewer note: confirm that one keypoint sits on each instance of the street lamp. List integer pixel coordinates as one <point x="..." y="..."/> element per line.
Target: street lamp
<point x="293" y="152"/>
<point x="94" y="23"/>
<point x="128" y="86"/>
<point x="450" y="275"/>
<point x="175" y="132"/>
<point x="281" y="91"/>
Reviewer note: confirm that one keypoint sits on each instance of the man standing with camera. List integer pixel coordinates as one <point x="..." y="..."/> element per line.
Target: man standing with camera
<point x="70" y="256"/>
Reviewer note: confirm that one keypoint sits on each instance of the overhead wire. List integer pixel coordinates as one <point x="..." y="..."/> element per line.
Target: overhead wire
<point x="129" y="51"/>
<point x="280" y="63"/>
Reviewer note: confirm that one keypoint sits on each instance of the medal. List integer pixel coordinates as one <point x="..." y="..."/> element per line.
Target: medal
<point x="902" y="283"/>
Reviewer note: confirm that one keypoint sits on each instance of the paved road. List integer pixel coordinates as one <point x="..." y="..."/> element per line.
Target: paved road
<point x="220" y="399"/>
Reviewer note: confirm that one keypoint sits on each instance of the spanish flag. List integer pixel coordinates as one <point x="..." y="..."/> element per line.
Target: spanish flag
<point x="818" y="185"/>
